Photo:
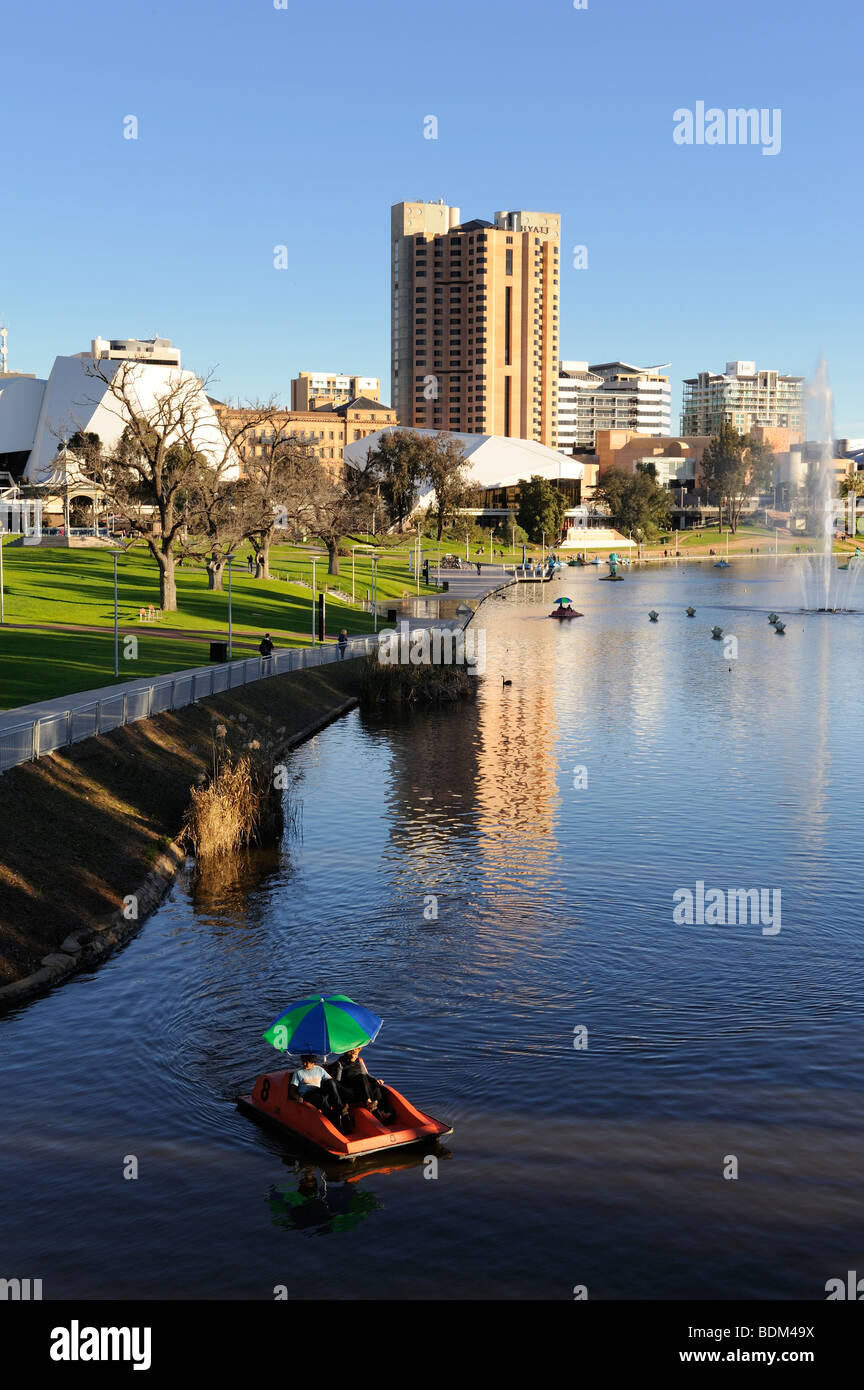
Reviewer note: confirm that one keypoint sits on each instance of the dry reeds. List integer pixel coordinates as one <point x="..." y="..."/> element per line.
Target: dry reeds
<point x="223" y="815"/>
<point x="238" y="805"/>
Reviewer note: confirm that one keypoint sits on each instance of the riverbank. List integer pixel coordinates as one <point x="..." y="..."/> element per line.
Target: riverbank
<point x="91" y="828"/>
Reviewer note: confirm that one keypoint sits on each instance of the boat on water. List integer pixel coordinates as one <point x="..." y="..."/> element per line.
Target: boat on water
<point x="722" y="565"/>
<point x="275" y="1102"/>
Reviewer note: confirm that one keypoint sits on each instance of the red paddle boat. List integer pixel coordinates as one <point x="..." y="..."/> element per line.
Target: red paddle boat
<point x="275" y="1102"/>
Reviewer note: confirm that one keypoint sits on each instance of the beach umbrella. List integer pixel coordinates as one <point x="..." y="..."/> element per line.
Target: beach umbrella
<point x="563" y="600"/>
<point x="323" y="1024"/>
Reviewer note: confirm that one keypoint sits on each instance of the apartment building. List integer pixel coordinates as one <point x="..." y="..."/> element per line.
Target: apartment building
<point x="475" y="309"/>
<point x="744" y="397"/>
<point x="607" y="396"/>
<point x="311" y="389"/>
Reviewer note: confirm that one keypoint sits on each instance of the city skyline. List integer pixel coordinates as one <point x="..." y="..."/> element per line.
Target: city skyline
<point x="695" y="255"/>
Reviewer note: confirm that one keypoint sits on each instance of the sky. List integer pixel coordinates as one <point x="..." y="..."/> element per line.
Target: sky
<point x="260" y="127"/>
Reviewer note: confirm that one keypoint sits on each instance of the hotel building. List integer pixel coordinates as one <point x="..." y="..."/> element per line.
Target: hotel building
<point x="475" y="321"/>
<point x="743" y="397"/>
<point x="608" y="396"/>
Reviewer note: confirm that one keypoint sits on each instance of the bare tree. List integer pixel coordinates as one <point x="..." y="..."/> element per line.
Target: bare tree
<point x="340" y="506"/>
<point x="170" y="449"/>
<point x="280" y="486"/>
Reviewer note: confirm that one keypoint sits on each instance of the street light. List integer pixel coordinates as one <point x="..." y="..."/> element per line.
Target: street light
<point x="313" y="600"/>
<point x="2" y="601"/>
<point x="230" y="627"/>
<point x="116" y="628"/>
<point x="375" y="593"/>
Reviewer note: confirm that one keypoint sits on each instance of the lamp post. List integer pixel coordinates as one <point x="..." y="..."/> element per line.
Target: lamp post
<point x="230" y="615"/>
<point x="2" y="601"/>
<point x="313" y="600"/>
<point x="116" y="627"/>
<point x="375" y="593"/>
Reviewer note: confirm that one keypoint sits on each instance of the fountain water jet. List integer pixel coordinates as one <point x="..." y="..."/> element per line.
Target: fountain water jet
<point x="827" y="589"/>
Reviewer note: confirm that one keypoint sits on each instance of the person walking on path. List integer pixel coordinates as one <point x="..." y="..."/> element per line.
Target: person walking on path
<point x="265" y="646"/>
<point x="342" y="643"/>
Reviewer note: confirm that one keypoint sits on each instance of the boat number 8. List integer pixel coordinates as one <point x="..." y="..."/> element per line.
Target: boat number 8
<point x="265" y="1088"/>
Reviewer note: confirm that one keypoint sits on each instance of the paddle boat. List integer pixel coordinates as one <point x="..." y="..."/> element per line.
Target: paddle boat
<point x="321" y="1025"/>
<point x="274" y="1102"/>
<point x="563" y="609"/>
<point x="722" y="565"/>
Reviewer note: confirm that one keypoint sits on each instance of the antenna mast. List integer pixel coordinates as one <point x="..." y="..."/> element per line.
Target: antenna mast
<point x="3" y="351"/>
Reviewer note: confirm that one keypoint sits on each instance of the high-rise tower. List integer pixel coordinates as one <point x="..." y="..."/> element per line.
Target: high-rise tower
<point x="475" y="321"/>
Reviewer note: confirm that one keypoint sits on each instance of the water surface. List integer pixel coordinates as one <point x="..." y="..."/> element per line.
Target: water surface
<point x="601" y="1166"/>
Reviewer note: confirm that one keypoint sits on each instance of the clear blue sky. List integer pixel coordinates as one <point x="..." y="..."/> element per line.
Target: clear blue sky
<point x="260" y="127"/>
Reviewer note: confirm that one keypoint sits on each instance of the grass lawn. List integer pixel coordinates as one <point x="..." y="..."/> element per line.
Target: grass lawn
<point x="40" y="665"/>
<point x="75" y="587"/>
<point x="754" y="534"/>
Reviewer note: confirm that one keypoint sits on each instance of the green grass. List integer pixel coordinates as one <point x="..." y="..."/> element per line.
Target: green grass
<point x="40" y="665"/>
<point x="75" y="587"/>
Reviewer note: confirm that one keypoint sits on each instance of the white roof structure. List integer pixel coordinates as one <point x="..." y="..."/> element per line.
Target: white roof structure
<point x="20" y="403"/>
<point x="494" y="460"/>
<point x="38" y="415"/>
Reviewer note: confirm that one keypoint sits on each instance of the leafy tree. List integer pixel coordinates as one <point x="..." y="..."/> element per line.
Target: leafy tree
<point x="852" y="483"/>
<point x="637" y="503"/>
<point x="443" y="469"/>
<point x="736" y="468"/>
<point x="399" y="464"/>
<point x="541" y="509"/>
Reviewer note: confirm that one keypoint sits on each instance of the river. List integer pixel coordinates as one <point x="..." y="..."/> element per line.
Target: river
<point x="492" y="879"/>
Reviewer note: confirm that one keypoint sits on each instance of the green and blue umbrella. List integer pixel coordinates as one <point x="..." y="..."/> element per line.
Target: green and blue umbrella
<point x="563" y="600"/>
<point x="322" y="1024"/>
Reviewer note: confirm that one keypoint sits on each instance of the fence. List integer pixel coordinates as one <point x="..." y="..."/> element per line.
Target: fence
<point x="21" y="743"/>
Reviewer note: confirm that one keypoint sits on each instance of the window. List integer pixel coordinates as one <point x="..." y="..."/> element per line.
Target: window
<point x="508" y="262"/>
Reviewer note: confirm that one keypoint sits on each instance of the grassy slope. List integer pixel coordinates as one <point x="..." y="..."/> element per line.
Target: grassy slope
<point x="76" y="587"/>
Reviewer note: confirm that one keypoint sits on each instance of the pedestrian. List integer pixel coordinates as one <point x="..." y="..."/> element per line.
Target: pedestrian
<point x="249" y="561"/>
<point x="342" y="642"/>
<point x="479" y="568"/>
<point x="265" y="646"/>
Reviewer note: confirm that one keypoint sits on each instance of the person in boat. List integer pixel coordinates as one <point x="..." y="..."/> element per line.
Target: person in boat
<point x="352" y="1076"/>
<point x="318" y="1087"/>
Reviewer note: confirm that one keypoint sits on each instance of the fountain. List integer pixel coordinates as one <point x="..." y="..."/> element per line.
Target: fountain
<point x="827" y="588"/>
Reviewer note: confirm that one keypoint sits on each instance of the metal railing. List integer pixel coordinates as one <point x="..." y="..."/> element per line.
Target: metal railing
<point x="21" y="743"/>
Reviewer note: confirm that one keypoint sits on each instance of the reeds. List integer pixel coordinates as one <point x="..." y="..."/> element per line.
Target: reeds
<point x="382" y="683"/>
<point x="238" y="805"/>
